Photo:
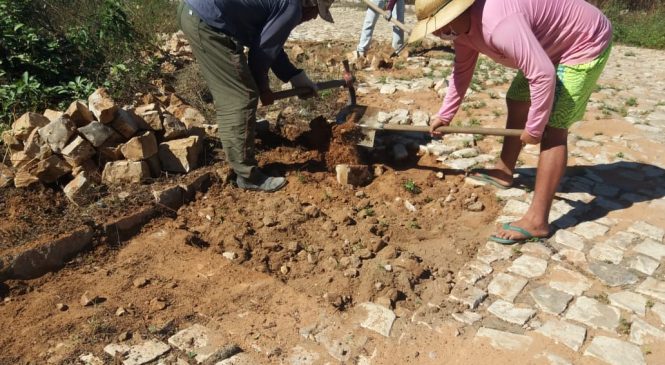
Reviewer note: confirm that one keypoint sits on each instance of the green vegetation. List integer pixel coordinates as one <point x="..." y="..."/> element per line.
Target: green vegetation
<point x="411" y="187"/>
<point x="636" y="22"/>
<point x="57" y="51"/>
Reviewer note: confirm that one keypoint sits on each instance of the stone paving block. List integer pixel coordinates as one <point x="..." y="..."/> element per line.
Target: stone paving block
<point x="494" y="252"/>
<point x="510" y="193"/>
<point x="642" y="333"/>
<point x="563" y="332"/>
<point x="138" y="354"/>
<point x="651" y="248"/>
<point x="643" y="264"/>
<point x="629" y="301"/>
<point x="614" y="351"/>
<point x="606" y="252"/>
<point x="594" y="314"/>
<point x="612" y="275"/>
<point x="379" y="318"/>
<point x="467" y="317"/>
<point x="590" y="230"/>
<point x="510" y="313"/>
<point x="506" y="219"/>
<point x="474" y="271"/>
<point x="569" y="239"/>
<point x="647" y="230"/>
<point x="551" y="300"/>
<point x="515" y="207"/>
<point x="622" y="240"/>
<point x="504" y="340"/>
<point x="469" y="295"/>
<point x="301" y="356"/>
<point x="575" y="257"/>
<point x="528" y="266"/>
<point x="568" y="281"/>
<point x="199" y="340"/>
<point x="659" y="310"/>
<point x="506" y="286"/>
<point x="536" y="249"/>
<point x="553" y="359"/>
<point x="652" y="288"/>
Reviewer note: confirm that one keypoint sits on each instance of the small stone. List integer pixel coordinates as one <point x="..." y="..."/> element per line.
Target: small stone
<point x="469" y="295"/>
<point x="157" y="304"/>
<point x="79" y="191"/>
<point x="476" y="207"/>
<point x="120" y="312"/>
<point x="79" y="113"/>
<point x="590" y="230"/>
<point x="126" y="123"/>
<point x="551" y="300"/>
<point x="97" y="133"/>
<point x="493" y="252"/>
<point x="563" y="332"/>
<point x="90" y="359"/>
<point x="651" y="248"/>
<point x="180" y="155"/>
<point x="528" y="266"/>
<point x="173" y="127"/>
<point x="124" y="336"/>
<point x="642" y="333"/>
<point x="88" y="299"/>
<point x="141" y="282"/>
<point x="612" y="275"/>
<point x="62" y="307"/>
<point x="647" y="230"/>
<point x="510" y="313"/>
<point x="203" y="343"/>
<point x="505" y="340"/>
<point x="592" y="313"/>
<point x="467" y="317"/>
<point x="284" y="269"/>
<point x="629" y="301"/>
<point x="506" y="286"/>
<point x="102" y="106"/>
<point x="139" y="354"/>
<point x="614" y="351"/>
<point x="652" y="288"/>
<point x="78" y="151"/>
<point x="379" y="318"/>
<point x="230" y="255"/>
<point x="569" y="239"/>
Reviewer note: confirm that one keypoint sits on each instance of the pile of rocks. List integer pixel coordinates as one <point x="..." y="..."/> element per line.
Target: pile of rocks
<point x="103" y="143"/>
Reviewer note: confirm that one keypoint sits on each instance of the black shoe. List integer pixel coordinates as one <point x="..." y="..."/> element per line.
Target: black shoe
<point x="261" y="183"/>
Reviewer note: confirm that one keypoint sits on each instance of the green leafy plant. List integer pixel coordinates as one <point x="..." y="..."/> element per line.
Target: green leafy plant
<point x="411" y="187"/>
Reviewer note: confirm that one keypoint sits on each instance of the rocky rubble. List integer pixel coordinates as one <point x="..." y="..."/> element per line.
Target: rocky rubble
<point x="100" y="142"/>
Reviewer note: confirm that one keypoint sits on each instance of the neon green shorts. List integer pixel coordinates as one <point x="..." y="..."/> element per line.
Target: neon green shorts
<point x="574" y="85"/>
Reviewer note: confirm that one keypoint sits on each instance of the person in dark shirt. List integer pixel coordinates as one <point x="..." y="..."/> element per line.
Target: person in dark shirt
<point x="218" y="31"/>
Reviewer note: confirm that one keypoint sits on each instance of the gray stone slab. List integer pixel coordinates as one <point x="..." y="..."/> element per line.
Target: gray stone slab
<point x="138" y="354"/>
<point x="569" y="239"/>
<point x="612" y="275"/>
<point x="504" y="340"/>
<point x="302" y="356"/>
<point x="379" y="318"/>
<point x="199" y="340"/>
<point x="629" y="301"/>
<point x="510" y="313"/>
<point x="568" y="281"/>
<point x="494" y="252"/>
<point x="469" y="295"/>
<point x="563" y="332"/>
<point x="510" y="193"/>
<point x="515" y="207"/>
<point x="642" y="333"/>
<point x="615" y="352"/>
<point x="606" y="252"/>
<point x="651" y="248"/>
<point x="652" y="288"/>
<point x="594" y="314"/>
<point x="506" y="286"/>
<point x="536" y="249"/>
<point x="467" y="317"/>
<point x="591" y="230"/>
<point x="551" y="300"/>
<point x="573" y="256"/>
<point x="474" y="271"/>
<point x="528" y="266"/>
<point x="643" y="264"/>
<point x="647" y="230"/>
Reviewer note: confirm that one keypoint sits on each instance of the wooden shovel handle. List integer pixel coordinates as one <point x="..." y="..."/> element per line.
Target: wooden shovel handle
<point x="380" y="11"/>
<point x="447" y="130"/>
<point x="305" y="90"/>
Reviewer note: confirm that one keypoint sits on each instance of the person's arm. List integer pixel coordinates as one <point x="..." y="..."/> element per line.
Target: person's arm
<point x="515" y="39"/>
<point x="269" y="53"/>
<point x="389" y="9"/>
<point x="460" y="79"/>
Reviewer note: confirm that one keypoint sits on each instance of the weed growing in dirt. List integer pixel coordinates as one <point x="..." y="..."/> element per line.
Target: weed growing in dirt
<point x="620" y="155"/>
<point x="646" y="350"/>
<point x="631" y="102"/>
<point x="414" y="224"/>
<point x="411" y="187"/>
<point x="650" y="303"/>
<point x="602" y="298"/>
<point x="369" y="212"/>
<point x="624" y="327"/>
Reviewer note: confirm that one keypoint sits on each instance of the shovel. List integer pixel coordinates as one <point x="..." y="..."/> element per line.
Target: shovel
<point x="369" y="131"/>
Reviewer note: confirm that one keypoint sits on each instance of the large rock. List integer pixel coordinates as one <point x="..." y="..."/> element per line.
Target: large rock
<point x="173" y="127"/>
<point x="355" y="175"/>
<point x="102" y="106"/>
<point x="78" y="151"/>
<point x="97" y="133"/>
<point x="140" y="147"/>
<point x="80" y="190"/>
<point x="53" y="114"/>
<point x="181" y="155"/>
<point x="23" y="179"/>
<point x="35" y="147"/>
<point x="79" y="113"/>
<point x="58" y="133"/>
<point x="191" y="117"/>
<point x="120" y="172"/>
<point x="19" y="159"/>
<point x="24" y="125"/>
<point x="6" y="176"/>
<point x="153" y="119"/>
<point x="11" y="141"/>
<point x="127" y="123"/>
<point x="51" y="169"/>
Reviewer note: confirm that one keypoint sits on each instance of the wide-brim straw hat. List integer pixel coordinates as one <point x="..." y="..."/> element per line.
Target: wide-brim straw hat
<point x="434" y="14"/>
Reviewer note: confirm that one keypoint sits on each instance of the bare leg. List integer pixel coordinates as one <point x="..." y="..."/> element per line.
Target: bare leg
<point x="502" y="172"/>
<point x="551" y="167"/>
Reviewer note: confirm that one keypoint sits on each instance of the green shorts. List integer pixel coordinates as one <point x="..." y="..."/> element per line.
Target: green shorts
<point x="574" y="85"/>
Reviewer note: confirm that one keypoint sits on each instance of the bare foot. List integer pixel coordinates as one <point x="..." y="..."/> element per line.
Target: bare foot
<point x="501" y="177"/>
<point x="536" y="230"/>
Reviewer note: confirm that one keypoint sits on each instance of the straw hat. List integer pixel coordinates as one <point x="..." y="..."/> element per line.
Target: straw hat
<point x="434" y="14"/>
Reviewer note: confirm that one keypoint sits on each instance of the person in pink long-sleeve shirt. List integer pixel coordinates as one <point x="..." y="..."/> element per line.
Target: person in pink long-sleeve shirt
<point x="559" y="47"/>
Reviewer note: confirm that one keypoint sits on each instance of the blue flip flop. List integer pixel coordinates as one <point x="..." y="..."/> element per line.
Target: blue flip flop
<point x="484" y="178"/>
<point x="528" y="237"/>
